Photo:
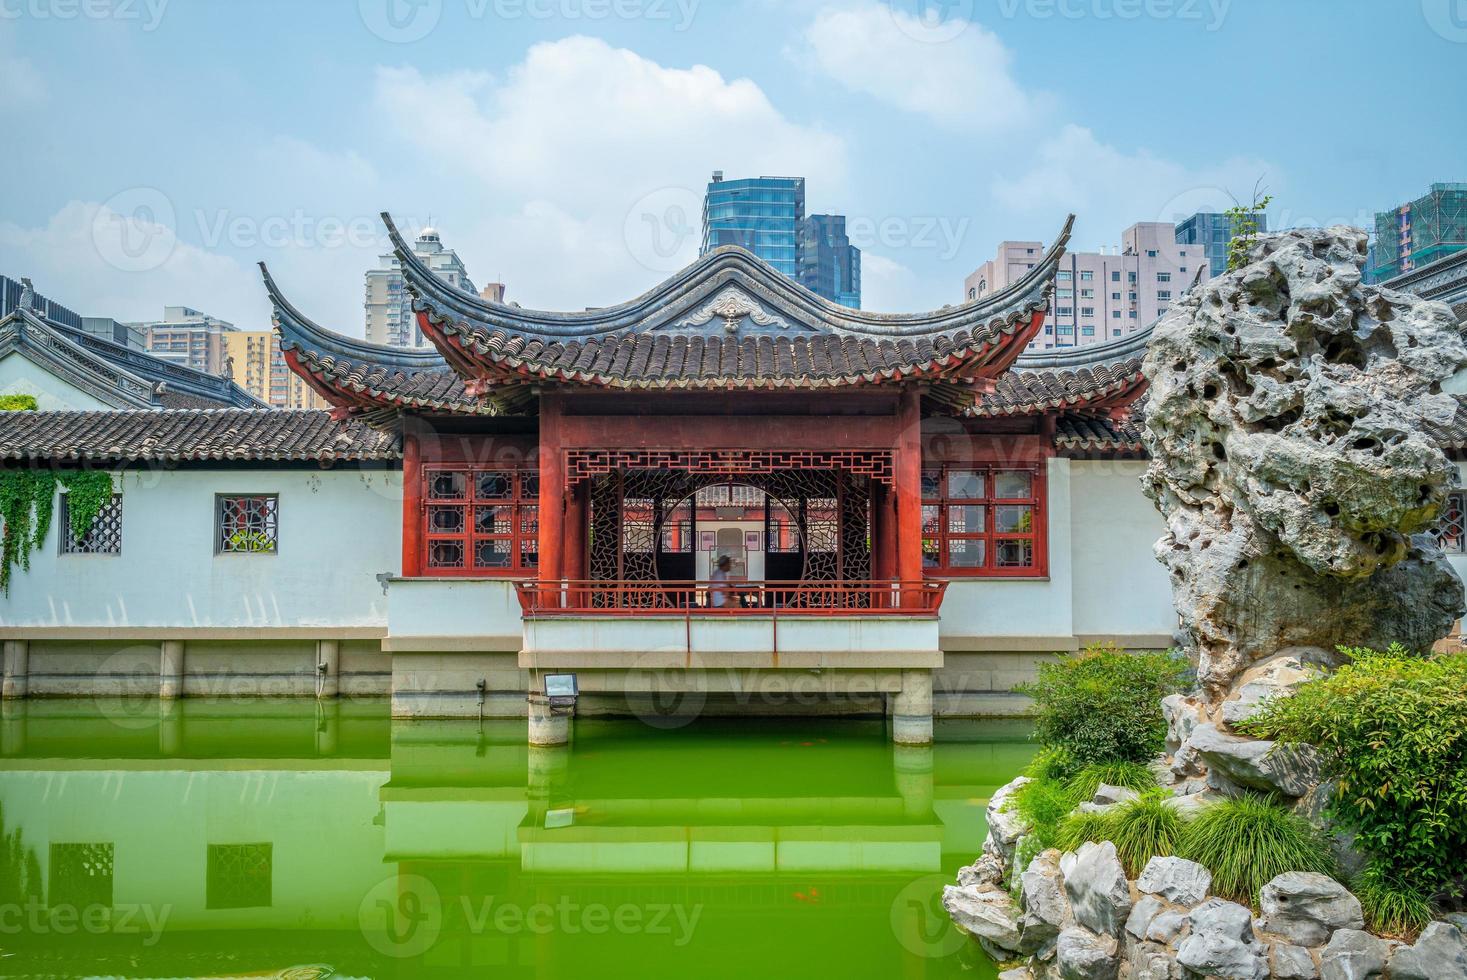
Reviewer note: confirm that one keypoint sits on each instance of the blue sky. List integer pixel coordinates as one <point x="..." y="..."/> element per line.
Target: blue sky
<point x="158" y="148"/>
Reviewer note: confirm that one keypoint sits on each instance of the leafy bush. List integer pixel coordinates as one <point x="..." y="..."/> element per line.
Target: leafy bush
<point x="1103" y="705"/>
<point x="1393" y="731"/>
<point x="1141" y="829"/>
<point x="1127" y="775"/>
<point x="1392" y="907"/>
<point x="1248" y="841"/>
<point x="17" y="403"/>
<point x="1046" y="801"/>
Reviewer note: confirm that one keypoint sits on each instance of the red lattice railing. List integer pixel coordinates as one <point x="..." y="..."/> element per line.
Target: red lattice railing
<point x="587" y="598"/>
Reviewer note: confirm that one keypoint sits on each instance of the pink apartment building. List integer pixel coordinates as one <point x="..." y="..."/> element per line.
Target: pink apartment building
<point x="1100" y="296"/>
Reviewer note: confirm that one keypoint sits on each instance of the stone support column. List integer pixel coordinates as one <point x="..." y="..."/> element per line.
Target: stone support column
<point x="170" y="674"/>
<point x="548" y="726"/>
<point x="17" y="668"/>
<point x="911" y="716"/>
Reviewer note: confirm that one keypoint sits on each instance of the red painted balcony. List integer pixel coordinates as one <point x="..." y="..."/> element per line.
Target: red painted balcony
<point x="740" y="599"/>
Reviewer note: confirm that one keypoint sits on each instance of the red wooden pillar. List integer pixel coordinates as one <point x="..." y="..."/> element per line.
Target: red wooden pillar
<point x="909" y="489"/>
<point x="884" y="530"/>
<point x="573" y="535"/>
<point x="413" y="514"/>
<point x="552" y="492"/>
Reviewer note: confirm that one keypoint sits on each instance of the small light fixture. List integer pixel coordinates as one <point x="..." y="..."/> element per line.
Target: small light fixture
<point x="561" y="690"/>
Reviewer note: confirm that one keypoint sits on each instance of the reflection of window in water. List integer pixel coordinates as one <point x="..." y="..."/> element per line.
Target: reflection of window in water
<point x="81" y="876"/>
<point x="240" y="876"/>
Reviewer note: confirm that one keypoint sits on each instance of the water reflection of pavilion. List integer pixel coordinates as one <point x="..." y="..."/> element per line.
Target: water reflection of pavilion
<point x="747" y="824"/>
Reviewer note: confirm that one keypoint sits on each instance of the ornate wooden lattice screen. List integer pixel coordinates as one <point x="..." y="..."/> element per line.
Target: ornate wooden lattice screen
<point x="639" y="504"/>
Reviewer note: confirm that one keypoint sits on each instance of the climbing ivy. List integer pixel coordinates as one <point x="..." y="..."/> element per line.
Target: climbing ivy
<point x="28" y="501"/>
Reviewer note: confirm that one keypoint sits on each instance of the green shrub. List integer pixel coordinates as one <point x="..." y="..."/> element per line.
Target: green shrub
<point x="1127" y="775"/>
<point x="17" y="403"/>
<point x="1077" y="828"/>
<point x="1393" y="731"/>
<point x="1392" y="907"/>
<point x="1103" y="705"/>
<point x="1043" y="803"/>
<point x="1248" y="841"/>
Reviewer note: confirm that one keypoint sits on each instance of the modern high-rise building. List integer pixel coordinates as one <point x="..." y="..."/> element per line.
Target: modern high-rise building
<point x="830" y="265"/>
<point x="1419" y="232"/>
<point x="766" y="215"/>
<point x="189" y="337"/>
<point x="255" y="362"/>
<point x="1099" y="296"/>
<point x="1213" y="230"/>
<point x="389" y="308"/>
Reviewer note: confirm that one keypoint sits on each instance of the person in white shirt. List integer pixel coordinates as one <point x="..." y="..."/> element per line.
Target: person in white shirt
<point x="718" y="591"/>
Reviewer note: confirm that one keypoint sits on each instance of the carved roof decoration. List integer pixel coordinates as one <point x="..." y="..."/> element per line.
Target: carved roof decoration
<point x="114" y="374"/>
<point x="277" y="435"/>
<point x="729" y="320"/>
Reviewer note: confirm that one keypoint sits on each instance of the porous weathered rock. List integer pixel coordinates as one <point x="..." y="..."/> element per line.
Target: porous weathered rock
<point x="1147" y="907"/>
<point x="1166" y="927"/>
<point x="1221" y="943"/>
<point x="1182" y="714"/>
<point x="1046" y="910"/>
<point x="1107" y="795"/>
<point x="1272" y="677"/>
<point x="1096" y="885"/>
<point x="1005" y="825"/>
<point x="1017" y="973"/>
<point x="1306" y="908"/>
<point x="1289" y="425"/>
<point x="1292" y="770"/>
<point x="1353" y="955"/>
<point x="1083" y="955"/>
<point x="987" y="870"/>
<point x="1290" y="962"/>
<point x="989" y="915"/>
<point x="1440" y="953"/>
<point x="1150" y="961"/>
<point x="1175" y="879"/>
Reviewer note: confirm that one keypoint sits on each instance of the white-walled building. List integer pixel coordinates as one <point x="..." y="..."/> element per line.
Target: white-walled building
<point x="1100" y="296"/>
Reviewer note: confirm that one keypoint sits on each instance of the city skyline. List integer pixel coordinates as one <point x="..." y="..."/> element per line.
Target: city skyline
<point x="540" y="148"/>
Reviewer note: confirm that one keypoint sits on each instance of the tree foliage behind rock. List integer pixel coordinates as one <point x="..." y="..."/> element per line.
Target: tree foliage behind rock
<point x="1104" y="705"/>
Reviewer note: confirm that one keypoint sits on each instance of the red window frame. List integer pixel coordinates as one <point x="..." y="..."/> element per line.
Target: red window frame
<point x="948" y="503"/>
<point x="476" y="508"/>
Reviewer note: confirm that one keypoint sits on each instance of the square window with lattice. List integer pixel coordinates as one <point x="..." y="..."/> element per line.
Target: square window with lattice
<point x="80" y="876"/>
<point x="103" y="538"/>
<point x="1450" y="529"/>
<point x="247" y="524"/>
<point x="240" y="876"/>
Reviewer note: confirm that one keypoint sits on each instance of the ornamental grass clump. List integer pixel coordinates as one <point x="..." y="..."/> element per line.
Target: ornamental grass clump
<point x="1392" y="728"/>
<point x="1104" y="705"/>
<point x="1141" y="829"/>
<point x="1248" y="841"/>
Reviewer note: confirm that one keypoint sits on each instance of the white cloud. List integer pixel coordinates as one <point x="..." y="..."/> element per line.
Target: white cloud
<point x="959" y="76"/>
<point x="21" y="85"/>
<point x="591" y="161"/>
<point x="98" y="261"/>
<point x="1111" y="189"/>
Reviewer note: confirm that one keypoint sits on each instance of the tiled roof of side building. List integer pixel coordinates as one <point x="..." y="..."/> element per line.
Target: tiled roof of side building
<point x="1102" y="376"/>
<point x="280" y="435"/>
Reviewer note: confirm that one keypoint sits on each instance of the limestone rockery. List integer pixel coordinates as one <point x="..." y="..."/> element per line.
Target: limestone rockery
<point x="1289" y="427"/>
<point x="1076" y="916"/>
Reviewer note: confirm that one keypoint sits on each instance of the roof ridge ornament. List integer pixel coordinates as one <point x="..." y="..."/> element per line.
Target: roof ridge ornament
<point x="733" y="305"/>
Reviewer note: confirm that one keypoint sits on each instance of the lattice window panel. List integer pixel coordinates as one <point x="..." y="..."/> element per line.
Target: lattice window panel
<point x="247" y="524"/>
<point x="481" y="521"/>
<point x="240" y="876"/>
<point x="1450" y="529"/>
<point x="103" y="538"/>
<point x="982" y="520"/>
<point x="584" y="464"/>
<point x="80" y="876"/>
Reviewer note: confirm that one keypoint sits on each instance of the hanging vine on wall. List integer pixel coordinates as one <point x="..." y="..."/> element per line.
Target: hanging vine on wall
<point x="27" y="503"/>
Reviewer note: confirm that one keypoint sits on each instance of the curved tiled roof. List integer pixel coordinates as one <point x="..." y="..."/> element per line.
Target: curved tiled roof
<point x="192" y="435"/>
<point x="1101" y="377"/>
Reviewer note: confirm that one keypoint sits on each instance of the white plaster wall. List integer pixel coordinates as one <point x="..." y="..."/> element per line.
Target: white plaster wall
<point x="339" y="529"/>
<point x="997" y="607"/>
<point x="1459" y="562"/>
<point x="21" y="376"/>
<point x="460" y="607"/>
<point x="1118" y="588"/>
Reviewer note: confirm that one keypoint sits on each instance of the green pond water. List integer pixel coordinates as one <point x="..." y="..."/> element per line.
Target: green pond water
<point x="287" y="839"/>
